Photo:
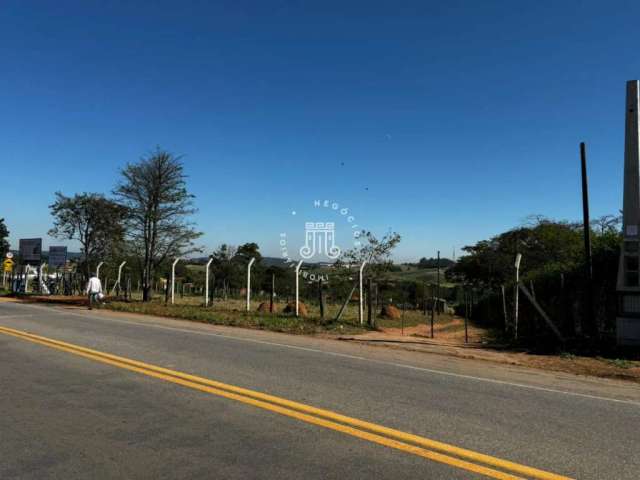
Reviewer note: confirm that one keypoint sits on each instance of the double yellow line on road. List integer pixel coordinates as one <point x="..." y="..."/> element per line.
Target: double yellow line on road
<point x="423" y="447"/>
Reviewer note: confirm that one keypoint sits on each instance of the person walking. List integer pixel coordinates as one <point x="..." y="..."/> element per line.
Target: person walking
<point x="94" y="289"/>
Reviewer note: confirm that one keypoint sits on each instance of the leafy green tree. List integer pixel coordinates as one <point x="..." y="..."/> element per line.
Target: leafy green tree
<point x="250" y="250"/>
<point x="96" y="222"/>
<point x="433" y="262"/>
<point x="154" y="191"/>
<point x="546" y="246"/>
<point x="4" y="234"/>
<point x="376" y="252"/>
<point x="224" y="267"/>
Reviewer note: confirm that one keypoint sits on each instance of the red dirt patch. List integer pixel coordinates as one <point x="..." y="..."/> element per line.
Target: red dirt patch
<point x="264" y="307"/>
<point x="390" y="312"/>
<point x="291" y="308"/>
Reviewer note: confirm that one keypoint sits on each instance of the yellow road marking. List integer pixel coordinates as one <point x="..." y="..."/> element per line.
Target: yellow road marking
<point x="376" y="433"/>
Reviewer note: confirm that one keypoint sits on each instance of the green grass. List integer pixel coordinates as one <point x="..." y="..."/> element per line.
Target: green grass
<point x="617" y="362"/>
<point x="419" y="275"/>
<point x="226" y="314"/>
<point x="567" y="356"/>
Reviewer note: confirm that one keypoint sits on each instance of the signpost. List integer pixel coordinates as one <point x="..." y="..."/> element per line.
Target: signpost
<point x="57" y="256"/>
<point x="7" y="268"/>
<point x="30" y="250"/>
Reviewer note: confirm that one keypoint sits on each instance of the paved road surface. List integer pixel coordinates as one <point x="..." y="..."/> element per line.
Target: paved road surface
<point x="64" y="415"/>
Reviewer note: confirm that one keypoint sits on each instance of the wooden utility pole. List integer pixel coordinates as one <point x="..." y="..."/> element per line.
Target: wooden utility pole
<point x="588" y="264"/>
<point x="438" y="282"/>
<point x="321" y="298"/>
<point x="273" y="292"/>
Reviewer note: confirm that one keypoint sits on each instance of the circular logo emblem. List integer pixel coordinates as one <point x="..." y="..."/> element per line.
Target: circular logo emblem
<point x="317" y="239"/>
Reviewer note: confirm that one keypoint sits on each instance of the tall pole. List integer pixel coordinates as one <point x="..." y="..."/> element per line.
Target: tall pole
<point x="249" y="265"/>
<point x="438" y="281"/>
<point x="588" y="265"/>
<point x="206" y="283"/>
<point x="173" y="279"/>
<point x="361" y="296"/>
<point x="298" y="287"/>
<point x="628" y="284"/>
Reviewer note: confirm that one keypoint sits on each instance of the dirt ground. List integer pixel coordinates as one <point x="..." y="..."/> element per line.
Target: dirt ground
<point x="449" y="332"/>
<point x="449" y="340"/>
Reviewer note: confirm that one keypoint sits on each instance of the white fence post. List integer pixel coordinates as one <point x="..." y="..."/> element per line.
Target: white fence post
<point x="361" y="309"/>
<point x="117" y="284"/>
<point x="43" y="284"/>
<point x="298" y="287"/>
<point x="173" y="279"/>
<point x="206" y="283"/>
<point x="249" y="283"/>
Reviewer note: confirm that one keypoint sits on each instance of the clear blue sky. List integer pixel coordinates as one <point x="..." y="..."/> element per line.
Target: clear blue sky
<point x="446" y="121"/>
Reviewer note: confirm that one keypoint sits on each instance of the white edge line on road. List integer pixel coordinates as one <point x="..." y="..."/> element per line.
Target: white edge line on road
<point x="344" y="355"/>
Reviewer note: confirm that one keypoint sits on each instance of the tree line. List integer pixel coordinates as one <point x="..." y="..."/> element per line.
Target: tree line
<point x="552" y="268"/>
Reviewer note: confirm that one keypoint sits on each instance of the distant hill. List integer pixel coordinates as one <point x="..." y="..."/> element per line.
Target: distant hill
<point x="266" y="261"/>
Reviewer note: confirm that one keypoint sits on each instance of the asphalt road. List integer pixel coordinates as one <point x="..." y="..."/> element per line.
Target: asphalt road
<point x="64" y="415"/>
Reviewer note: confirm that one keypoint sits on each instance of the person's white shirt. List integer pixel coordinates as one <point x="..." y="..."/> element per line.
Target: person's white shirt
<point x="94" y="285"/>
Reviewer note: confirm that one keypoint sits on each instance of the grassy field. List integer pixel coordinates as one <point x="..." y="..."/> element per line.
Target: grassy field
<point x="420" y="275"/>
<point x="233" y="312"/>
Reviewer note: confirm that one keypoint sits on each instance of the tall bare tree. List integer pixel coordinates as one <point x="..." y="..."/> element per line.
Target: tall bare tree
<point x="91" y="219"/>
<point x="159" y="228"/>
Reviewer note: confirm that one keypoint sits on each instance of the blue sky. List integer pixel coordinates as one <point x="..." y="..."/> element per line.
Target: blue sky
<point x="446" y="121"/>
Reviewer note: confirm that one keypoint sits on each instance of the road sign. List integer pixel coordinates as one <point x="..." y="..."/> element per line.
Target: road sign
<point x="57" y="256"/>
<point x="9" y="255"/>
<point x="7" y="265"/>
<point x="30" y="249"/>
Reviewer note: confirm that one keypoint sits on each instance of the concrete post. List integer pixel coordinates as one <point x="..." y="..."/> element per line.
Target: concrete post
<point x="206" y="283"/>
<point x="628" y="284"/>
<point x="173" y="279"/>
<point x="43" y="284"/>
<point x="517" y="294"/>
<point x="249" y="265"/>
<point x="361" y="296"/>
<point x="117" y="284"/>
<point x="298" y="287"/>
